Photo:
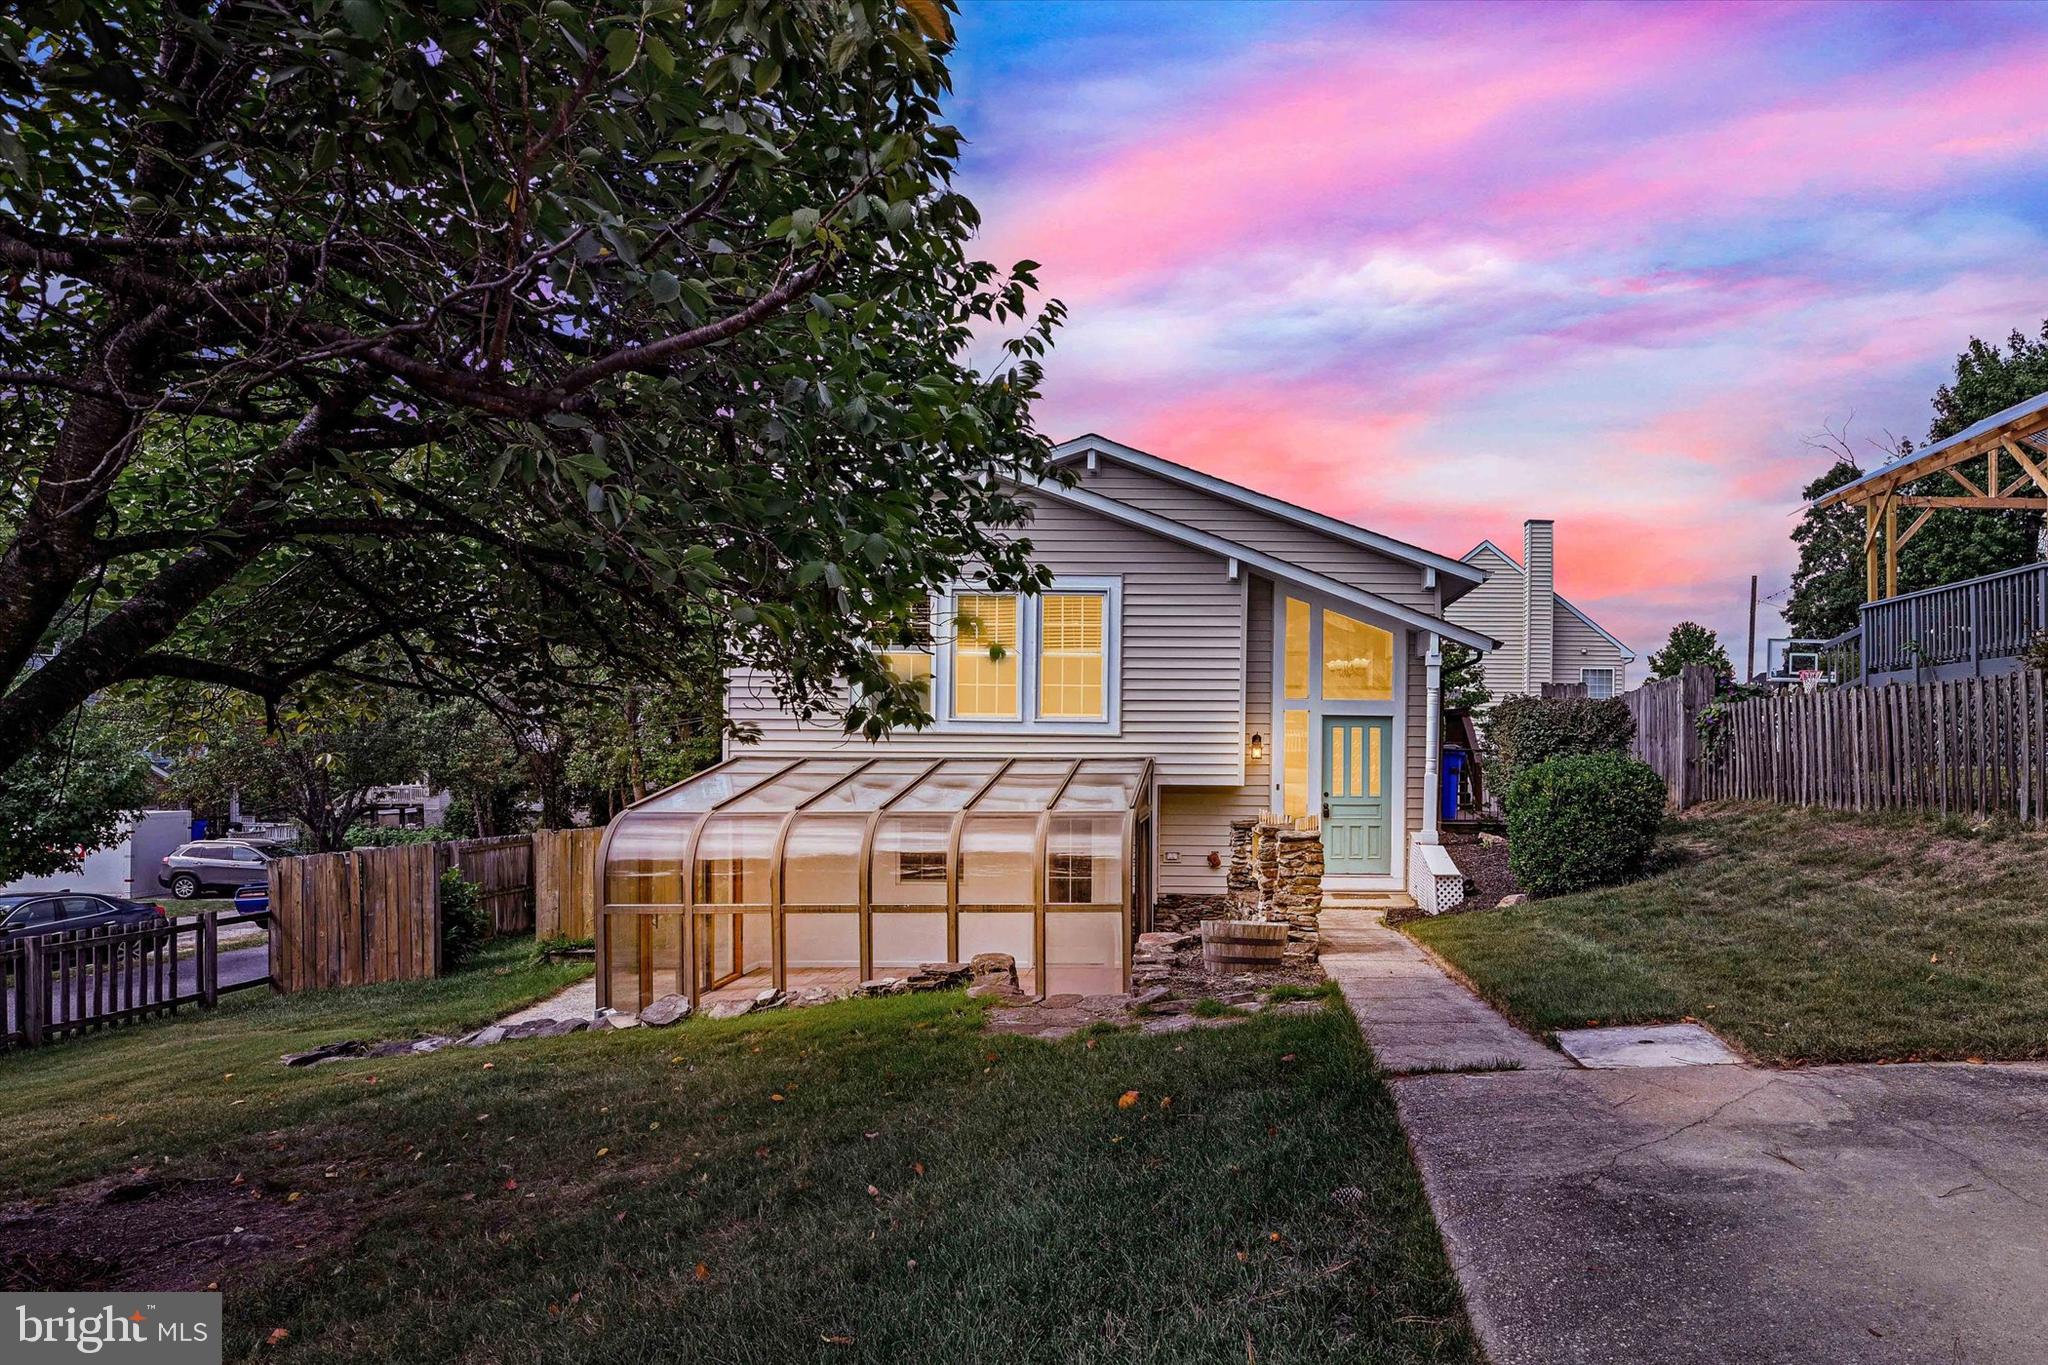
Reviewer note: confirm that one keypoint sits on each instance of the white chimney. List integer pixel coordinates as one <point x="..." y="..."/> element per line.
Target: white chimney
<point x="1539" y="603"/>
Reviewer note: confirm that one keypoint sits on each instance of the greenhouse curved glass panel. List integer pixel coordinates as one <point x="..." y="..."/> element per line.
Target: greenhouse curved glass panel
<point x="822" y="859"/>
<point x="734" y="856"/>
<point x="644" y="859"/>
<point x="822" y="872"/>
<point x="997" y="853"/>
<point x="910" y="856"/>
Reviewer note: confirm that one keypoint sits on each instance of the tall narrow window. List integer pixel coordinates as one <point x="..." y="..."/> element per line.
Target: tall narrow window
<point x="909" y="657"/>
<point x="1358" y="660"/>
<point x="985" y="656"/>
<point x="1296" y="659"/>
<point x="1294" y="764"/>
<point x="1073" y="657"/>
<point x="1599" y="681"/>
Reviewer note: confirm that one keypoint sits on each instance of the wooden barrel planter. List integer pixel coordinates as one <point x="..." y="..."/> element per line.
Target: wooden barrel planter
<point x="1236" y="945"/>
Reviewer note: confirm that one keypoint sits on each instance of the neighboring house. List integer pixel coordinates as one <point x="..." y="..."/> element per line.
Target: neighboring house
<point x="1265" y="657"/>
<point x="1543" y="638"/>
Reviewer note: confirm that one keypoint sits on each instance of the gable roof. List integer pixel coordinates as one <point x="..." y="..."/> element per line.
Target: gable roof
<point x="1562" y="600"/>
<point x="1266" y="503"/>
<point x="1272" y="566"/>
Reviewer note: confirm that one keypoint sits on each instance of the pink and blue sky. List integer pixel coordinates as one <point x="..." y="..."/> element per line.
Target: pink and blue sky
<point x="1438" y="268"/>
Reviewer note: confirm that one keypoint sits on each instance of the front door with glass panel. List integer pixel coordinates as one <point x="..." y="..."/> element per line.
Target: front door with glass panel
<point x="1358" y="817"/>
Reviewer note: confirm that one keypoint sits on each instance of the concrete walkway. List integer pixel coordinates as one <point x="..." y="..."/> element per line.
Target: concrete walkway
<point x="1416" y="1018"/>
<point x="1713" y="1214"/>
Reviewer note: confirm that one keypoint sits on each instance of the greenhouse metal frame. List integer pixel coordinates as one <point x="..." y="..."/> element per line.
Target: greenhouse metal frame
<point x="690" y="874"/>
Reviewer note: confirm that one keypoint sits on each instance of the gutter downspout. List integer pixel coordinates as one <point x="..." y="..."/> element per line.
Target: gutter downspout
<point x="1432" y="739"/>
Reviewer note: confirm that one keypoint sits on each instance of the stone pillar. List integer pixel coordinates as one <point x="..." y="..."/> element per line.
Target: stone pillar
<point x="1297" y="894"/>
<point x="1241" y="882"/>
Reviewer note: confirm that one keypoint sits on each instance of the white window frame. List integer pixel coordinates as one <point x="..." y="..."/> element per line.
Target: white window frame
<point x="1029" y="633"/>
<point x="1613" y="680"/>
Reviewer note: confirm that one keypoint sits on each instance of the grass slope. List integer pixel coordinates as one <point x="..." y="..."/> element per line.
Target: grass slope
<point x="1806" y="936"/>
<point x="869" y="1181"/>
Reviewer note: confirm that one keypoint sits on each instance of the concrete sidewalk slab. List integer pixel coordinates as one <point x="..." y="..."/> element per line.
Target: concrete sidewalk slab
<point x="1414" y="1017"/>
<point x="1726" y="1213"/>
<point x="1646" y="1045"/>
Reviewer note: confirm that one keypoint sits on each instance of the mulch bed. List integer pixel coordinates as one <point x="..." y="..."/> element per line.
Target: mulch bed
<point x="146" y="1231"/>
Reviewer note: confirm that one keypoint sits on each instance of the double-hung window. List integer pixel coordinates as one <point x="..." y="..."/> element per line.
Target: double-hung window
<point x="1045" y="659"/>
<point x="909" y="659"/>
<point x="986" y="671"/>
<point x="1599" y="681"/>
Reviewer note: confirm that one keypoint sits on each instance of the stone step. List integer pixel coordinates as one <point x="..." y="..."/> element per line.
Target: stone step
<point x="1368" y="900"/>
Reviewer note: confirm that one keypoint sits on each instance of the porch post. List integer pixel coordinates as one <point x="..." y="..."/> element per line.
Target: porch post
<point x="1432" y="738"/>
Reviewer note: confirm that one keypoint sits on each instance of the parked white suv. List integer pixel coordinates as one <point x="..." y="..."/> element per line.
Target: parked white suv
<point x="212" y="865"/>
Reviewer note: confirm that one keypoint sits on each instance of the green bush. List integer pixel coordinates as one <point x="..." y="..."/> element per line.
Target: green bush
<point x="1583" y="820"/>
<point x="1525" y="731"/>
<point x="393" y="836"/>
<point x="465" y="924"/>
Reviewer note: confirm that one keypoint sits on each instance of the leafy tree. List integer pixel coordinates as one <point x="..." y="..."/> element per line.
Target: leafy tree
<point x="1690" y="643"/>
<point x="489" y="348"/>
<point x="1827" y="587"/>
<point x="1956" y="543"/>
<point x="317" y="765"/>
<point x="1464" y="681"/>
<point x="70" y="795"/>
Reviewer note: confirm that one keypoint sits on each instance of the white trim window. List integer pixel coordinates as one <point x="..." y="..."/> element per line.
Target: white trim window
<point x="1047" y="661"/>
<point x="1599" y="681"/>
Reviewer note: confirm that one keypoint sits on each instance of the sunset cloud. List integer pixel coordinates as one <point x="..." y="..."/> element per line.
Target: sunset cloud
<point x="1437" y="270"/>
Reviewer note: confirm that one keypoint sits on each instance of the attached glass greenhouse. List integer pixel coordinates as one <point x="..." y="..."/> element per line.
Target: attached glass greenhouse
<point x="832" y="871"/>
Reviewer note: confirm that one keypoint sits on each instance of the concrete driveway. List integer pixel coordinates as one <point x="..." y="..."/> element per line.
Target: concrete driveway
<point x="1724" y="1214"/>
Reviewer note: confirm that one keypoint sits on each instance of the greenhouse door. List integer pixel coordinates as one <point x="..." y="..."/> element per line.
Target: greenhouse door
<point x="1357" y="815"/>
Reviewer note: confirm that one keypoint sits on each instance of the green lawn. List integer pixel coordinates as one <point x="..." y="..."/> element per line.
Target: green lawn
<point x="1800" y="935"/>
<point x="869" y="1181"/>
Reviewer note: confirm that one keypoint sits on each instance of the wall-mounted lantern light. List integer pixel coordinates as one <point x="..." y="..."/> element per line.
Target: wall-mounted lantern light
<point x="1258" y="747"/>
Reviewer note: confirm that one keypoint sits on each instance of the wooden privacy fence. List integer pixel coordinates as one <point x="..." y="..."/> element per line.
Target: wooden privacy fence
<point x="565" y="876"/>
<point x="1968" y="746"/>
<point x="354" y="918"/>
<point x="502" y="869"/>
<point x="1667" y="736"/>
<point x="56" y="985"/>
<point x="374" y="914"/>
<point x="1971" y="746"/>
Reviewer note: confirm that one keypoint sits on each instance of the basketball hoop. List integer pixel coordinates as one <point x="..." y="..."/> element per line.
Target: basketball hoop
<point x="1809" y="679"/>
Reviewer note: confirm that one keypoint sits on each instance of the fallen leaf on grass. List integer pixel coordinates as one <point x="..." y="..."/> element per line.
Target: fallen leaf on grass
<point x="703" y="1272"/>
<point x="917" y="1166"/>
<point x="604" y="1151"/>
<point x="1127" y="1100"/>
<point x="511" y="1184"/>
<point x="293" y="1197"/>
<point x="775" y="1097"/>
<point x="835" y="1338"/>
<point x="873" y="1192"/>
<point x="276" y="1337"/>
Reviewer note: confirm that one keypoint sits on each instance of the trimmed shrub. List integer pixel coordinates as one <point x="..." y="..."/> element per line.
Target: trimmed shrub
<point x="465" y="924"/>
<point x="1583" y="820"/>
<point x="1525" y="731"/>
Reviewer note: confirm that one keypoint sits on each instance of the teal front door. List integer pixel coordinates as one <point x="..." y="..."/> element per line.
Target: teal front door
<point x="1358" y="785"/>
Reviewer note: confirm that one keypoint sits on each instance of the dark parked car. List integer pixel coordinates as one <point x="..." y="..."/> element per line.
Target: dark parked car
<point x="26" y="914"/>
<point x="253" y="899"/>
<point x="212" y="865"/>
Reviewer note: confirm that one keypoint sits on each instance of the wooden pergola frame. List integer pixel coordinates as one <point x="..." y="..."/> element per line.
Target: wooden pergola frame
<point x="697" y="917"/>
<point x="2019" y="435"/>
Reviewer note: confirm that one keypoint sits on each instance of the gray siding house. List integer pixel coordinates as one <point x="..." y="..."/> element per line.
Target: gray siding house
<point x="1265" y="657"/>
<point x="1543" y="637"/>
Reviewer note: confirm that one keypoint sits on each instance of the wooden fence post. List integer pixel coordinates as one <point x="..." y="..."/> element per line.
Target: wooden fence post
<point x="209" y="962"/>
<point x="33" y="993"/>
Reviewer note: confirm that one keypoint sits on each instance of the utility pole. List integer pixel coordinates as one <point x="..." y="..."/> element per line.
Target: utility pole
<point x="1749" y="670"/>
